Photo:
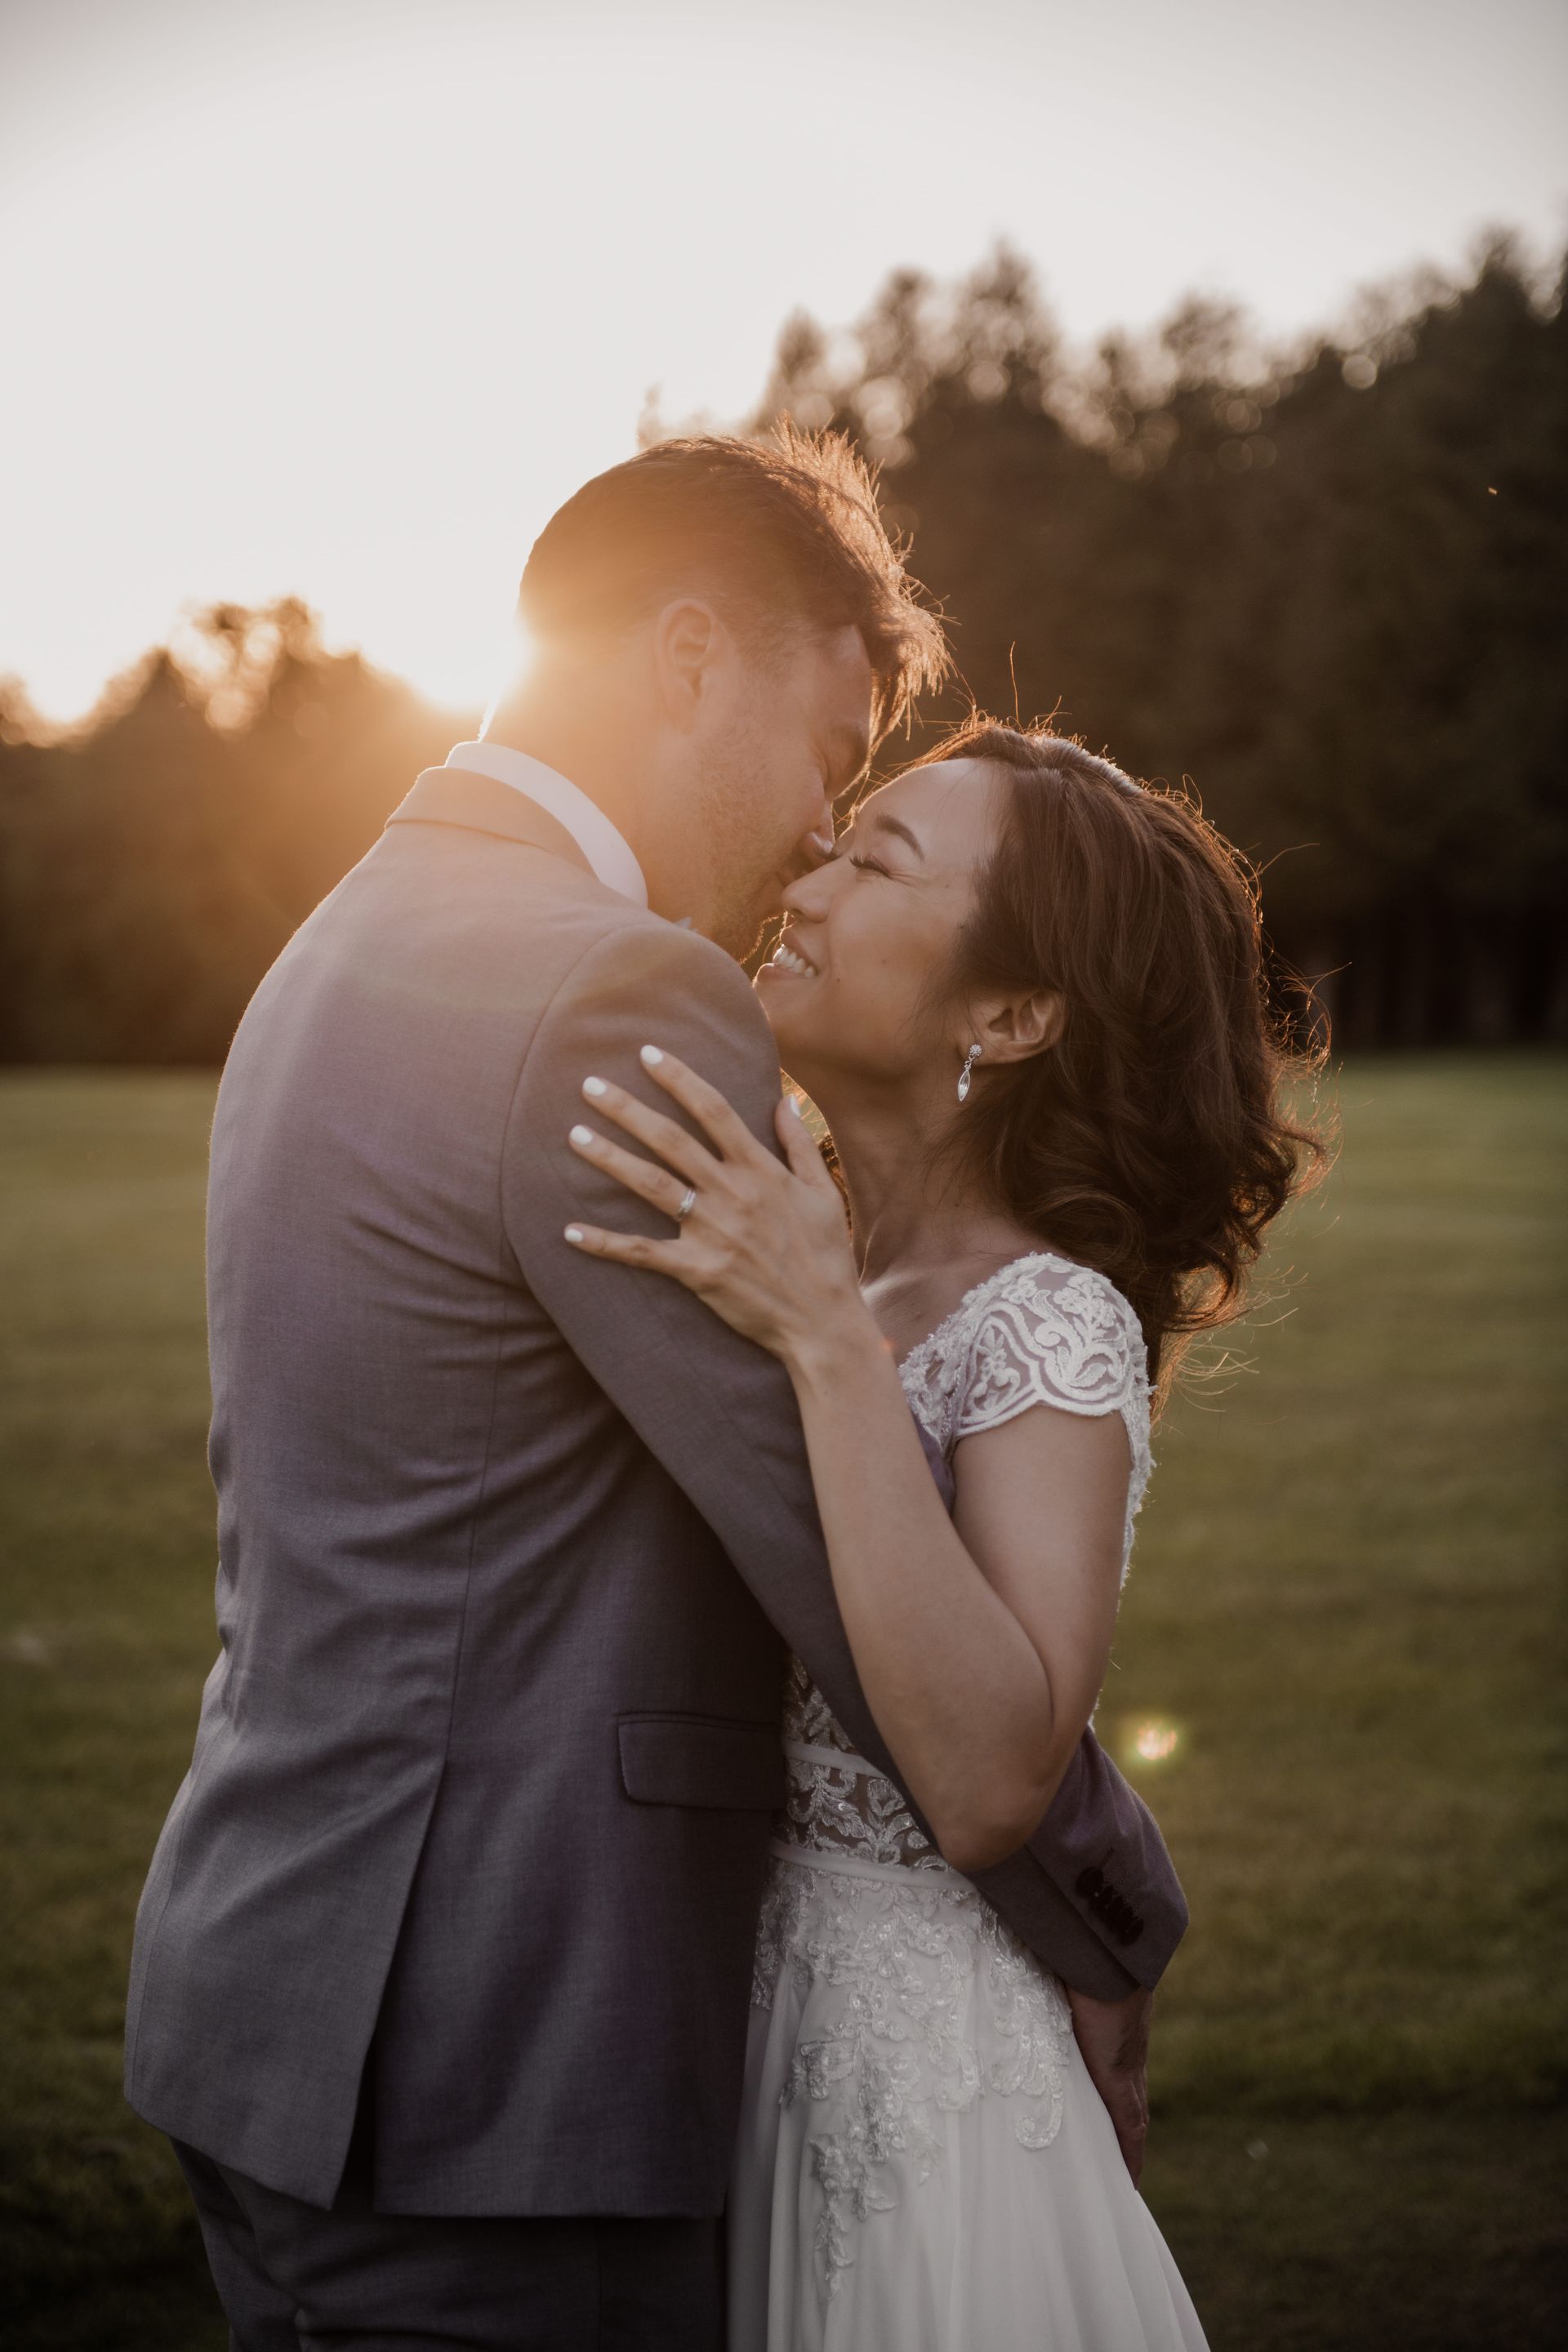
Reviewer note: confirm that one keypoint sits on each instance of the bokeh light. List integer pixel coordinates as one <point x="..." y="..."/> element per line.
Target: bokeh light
<point x="1153" y="1740"/>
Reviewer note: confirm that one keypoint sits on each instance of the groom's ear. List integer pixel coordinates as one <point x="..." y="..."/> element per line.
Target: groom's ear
<point x="689" y="642"/>
<point x="1016" y="1028"/>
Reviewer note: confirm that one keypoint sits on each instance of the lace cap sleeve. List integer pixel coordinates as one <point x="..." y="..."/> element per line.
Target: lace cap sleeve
<point x="1043" y="1331"/>
<point x="1048" y="1332"/>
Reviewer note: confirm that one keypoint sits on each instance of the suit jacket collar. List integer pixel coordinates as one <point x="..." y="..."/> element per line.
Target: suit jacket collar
<point x="479" y="804"/>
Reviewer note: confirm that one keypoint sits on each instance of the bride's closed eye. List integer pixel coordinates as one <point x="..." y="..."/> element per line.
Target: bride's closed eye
<point x="868" y="865"/>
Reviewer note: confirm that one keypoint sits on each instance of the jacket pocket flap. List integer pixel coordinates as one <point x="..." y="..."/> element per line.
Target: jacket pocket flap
<point x="701" y="1759"/>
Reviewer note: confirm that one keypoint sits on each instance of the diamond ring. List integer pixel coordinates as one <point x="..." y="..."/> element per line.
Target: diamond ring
<point x="685" y="1205"/>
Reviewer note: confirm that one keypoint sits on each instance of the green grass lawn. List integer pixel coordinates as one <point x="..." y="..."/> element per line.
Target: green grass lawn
<point x="1345" y="1604"/>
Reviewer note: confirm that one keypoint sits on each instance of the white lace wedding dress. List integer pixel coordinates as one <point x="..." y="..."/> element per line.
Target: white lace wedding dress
<point x="923" y="2164"/>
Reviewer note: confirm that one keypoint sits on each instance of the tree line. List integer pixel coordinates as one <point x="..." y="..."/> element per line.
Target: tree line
<point x="1325" y="586"/>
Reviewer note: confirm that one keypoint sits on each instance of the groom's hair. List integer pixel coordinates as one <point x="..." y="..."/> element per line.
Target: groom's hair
<point x="778" y="532"/>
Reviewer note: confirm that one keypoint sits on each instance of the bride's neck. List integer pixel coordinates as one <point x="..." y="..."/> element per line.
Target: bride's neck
<point x="909" y="1209"/>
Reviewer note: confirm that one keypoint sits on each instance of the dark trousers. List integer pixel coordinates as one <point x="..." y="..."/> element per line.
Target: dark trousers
<point x="294" y="2279"/>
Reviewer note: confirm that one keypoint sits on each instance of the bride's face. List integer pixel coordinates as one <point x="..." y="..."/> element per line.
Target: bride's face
<point x="849" y="990"/>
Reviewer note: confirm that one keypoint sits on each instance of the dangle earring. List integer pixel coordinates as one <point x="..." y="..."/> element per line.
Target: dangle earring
<point x="967" y="1073"/>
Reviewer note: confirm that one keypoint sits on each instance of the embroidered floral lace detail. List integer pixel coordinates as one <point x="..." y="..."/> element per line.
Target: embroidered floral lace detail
<point x="1042" y="1331"/>
<point x="924" y="2002"/>
<point x="840" y="1808"/>
<point x="807" y="1715"/>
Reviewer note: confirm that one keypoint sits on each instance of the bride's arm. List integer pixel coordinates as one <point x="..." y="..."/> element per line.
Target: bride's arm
<point x="981" y="1641"/>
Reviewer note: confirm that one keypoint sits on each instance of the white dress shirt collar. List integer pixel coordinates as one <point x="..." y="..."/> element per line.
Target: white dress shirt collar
<point x="605" y="850"/>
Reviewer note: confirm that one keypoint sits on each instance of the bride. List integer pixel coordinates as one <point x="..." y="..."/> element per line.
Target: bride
<point x="1027" y="996"/>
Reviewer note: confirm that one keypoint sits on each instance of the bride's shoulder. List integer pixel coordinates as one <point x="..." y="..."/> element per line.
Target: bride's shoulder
<point x="1047" y="1330"/>
<point x="1059" y="1289"/>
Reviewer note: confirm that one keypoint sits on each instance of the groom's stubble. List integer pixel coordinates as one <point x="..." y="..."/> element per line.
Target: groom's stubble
<point x="765" y="784"/>
<point x="738" y="843"/>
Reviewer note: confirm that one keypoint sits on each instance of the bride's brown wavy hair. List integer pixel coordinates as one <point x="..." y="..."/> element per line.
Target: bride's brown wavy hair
<point x="1152" y="1142"/>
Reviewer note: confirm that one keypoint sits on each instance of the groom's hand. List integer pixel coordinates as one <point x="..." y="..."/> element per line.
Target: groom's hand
<point x="1113" y="2036"/>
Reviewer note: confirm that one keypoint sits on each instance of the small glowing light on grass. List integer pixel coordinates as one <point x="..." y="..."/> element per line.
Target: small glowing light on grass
<point x="1155" y="1743"/>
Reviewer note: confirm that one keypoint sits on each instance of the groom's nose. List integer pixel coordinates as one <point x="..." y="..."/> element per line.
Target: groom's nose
<point x="812" y="850"/>
<point x="817" y="846"/>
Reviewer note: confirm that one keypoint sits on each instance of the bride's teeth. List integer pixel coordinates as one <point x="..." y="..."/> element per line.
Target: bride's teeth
<point x="788" y="960"/>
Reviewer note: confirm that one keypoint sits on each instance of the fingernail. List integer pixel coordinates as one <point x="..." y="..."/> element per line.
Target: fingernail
<point x="795" y="1106"/>
<point x="594" y="1087"/>
<point x="651" y="1057"/>
<point x="574" y="1232"/>
<point x="582" y="1135"/>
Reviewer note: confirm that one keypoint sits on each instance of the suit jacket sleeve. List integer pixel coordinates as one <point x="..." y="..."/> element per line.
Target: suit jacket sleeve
<point x="1094" y="1893"/>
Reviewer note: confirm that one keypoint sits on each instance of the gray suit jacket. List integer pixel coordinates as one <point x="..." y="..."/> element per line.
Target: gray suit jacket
<point x="510" y="1544"/>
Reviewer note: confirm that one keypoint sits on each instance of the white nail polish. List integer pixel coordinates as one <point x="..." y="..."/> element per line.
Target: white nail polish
<point x="574" y="1232"/>
<point x="594" y="1086"/>
<point x="651" y="1057"/>
<point x="582" y="1135"/>
<point x="795" y="1106"/>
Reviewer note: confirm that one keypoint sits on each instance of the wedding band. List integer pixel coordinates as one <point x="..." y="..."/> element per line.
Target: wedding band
<point x="686" y="1204"/>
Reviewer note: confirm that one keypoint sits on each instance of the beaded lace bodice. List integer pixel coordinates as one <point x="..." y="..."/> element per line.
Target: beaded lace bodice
<point x="923" y="2000"/>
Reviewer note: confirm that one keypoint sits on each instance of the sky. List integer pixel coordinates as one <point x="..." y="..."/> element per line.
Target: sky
<point x="342" y="298"/>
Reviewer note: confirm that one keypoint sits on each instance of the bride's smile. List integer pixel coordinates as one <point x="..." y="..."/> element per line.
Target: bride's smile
<point x="852" y="991"/>
<point x="785" y="959"/>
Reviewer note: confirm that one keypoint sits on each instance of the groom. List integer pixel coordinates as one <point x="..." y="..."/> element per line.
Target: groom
<point x="441" y="1972"/>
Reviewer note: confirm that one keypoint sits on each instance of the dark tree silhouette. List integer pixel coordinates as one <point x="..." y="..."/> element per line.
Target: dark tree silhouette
<point x="1328" y="587"/>
<point x="153" y="864"/>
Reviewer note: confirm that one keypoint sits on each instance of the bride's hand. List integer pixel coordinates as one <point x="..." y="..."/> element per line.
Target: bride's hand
<point x="766" y="1245"/>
